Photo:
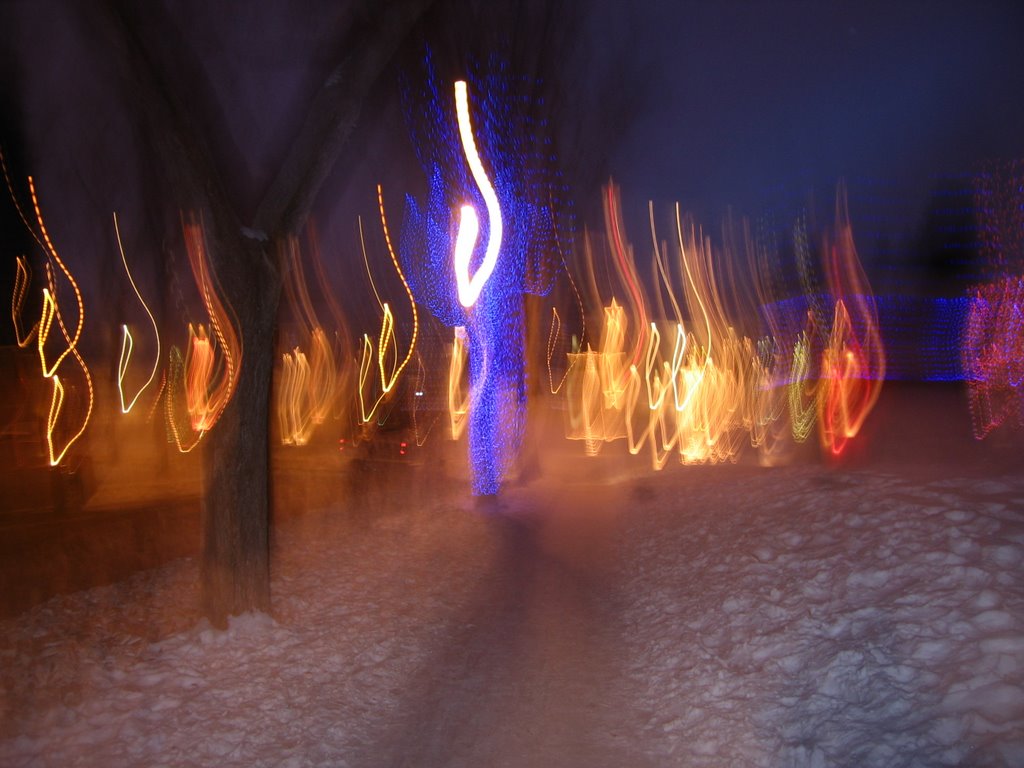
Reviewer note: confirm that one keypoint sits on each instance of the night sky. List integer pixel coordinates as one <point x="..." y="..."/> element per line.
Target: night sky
<point x="738" y="103"/>
<point x="745" y="97"/>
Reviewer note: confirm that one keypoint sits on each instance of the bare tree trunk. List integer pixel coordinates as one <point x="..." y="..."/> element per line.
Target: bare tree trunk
<point x="236" y="483"/>
<point x="235" y="568"/>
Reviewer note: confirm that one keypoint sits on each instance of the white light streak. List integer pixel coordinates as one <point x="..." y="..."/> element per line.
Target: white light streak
<point x="469" y="287"/>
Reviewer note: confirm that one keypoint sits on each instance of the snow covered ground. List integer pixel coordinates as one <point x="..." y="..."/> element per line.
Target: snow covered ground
<point x="598" y="615"/>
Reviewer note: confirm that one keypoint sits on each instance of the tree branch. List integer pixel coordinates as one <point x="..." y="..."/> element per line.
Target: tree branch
<point x="178" y="138"/>
<point x="333" y="116"/>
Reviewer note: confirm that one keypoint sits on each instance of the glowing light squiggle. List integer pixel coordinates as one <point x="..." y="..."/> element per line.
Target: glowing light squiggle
<point x="387" y="345"/>
<point x="469" y="287"/>
<point x="412" y="301"/>
<point x="127" y="342"/>
<point x="51" y="311"/>
<point x="696" y="387"/>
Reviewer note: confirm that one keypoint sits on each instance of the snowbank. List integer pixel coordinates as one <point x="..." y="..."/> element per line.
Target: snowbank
<point x="702" y="616"/>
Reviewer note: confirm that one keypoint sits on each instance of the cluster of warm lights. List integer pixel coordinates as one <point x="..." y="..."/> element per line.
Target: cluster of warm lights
<point x="207" y="377"/>
<point x="691" y="385"/>
<point x="196" y="387"/>
<point x="63" y="425"/>
<point x="696" y="359"/>
<point x="310" y="382"/>
<point x="684" y="383"/>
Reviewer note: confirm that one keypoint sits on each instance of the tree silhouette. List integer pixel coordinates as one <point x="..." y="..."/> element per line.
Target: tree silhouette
<point x="182" y="118"/>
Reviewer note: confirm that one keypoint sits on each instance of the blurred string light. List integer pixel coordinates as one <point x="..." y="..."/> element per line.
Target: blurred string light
<point x="469" y="287"/>
<point x="127" y="343"/>
<point x="23" y="272"/>
<point x="554" y="335"/>
<point x="51" y="310"/>
<point x="22" y="280"/>
<point x="58" y="440"/>
<point x="337" y="344"/>
<point x="482" y="151"/>
<point x="293" y="396"/>
<point x="388" y="365"/>
<point x="555" y="342"/>
<point x="803" y="395"/>
<point x="200" y="392"/>
<point x="595" y="385"/>
<point x="176" y="416"/>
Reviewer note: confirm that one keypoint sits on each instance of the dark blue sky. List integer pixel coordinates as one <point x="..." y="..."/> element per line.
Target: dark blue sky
<point x="746" y="96"/>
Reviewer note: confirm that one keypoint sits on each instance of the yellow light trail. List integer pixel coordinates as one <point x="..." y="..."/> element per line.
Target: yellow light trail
<point x="412" y="301"/>
<point x="387" y="345"/>
<point x="294" y="417"/>
<point x="127" y="342"/>
<point x="458" y="394"/>
<point x="696" y="395"/>
<point x="72" y="341"/>
<point x="309" y="385"/>
<point x="50" y="311"/>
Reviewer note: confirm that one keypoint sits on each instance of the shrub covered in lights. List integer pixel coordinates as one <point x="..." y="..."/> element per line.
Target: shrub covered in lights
<point x="492" y="227"/>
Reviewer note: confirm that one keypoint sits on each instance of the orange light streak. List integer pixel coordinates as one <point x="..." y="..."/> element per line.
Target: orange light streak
<point x="294" y="415"/>
<point x="626" y="267"/>
<point x="211" y="370"/>
<point x="22" y="278"/>
<point x="310" y="384"/>
<point x="51" y="311"/>
<point x="853" y="366"/>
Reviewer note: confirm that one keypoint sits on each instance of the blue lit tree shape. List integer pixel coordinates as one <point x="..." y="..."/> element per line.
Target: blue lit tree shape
<point x="516" y="157"/>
